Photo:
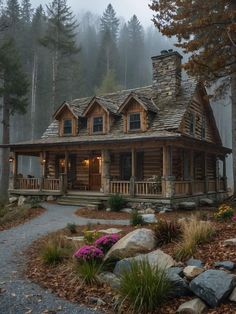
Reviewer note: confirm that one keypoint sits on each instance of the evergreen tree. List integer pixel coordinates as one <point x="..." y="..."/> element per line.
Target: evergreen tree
<point x="108" y="54"/>
<point x="14" y="94"/>
<point x="60" y="40"/>
<point x="108" y="85"/>
<point x="26" y="11"/>
<point x="12" y="16"/>
<point x="124" y="47"/>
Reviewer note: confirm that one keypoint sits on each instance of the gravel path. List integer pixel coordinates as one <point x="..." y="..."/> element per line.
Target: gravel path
<point x="17" y="294"/>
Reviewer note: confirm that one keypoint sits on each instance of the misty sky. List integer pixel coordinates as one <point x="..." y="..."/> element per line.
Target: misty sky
<point x="125" y="8"/>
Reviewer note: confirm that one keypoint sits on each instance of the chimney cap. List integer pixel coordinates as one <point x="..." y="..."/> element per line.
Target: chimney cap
<point x="167" y="53"/>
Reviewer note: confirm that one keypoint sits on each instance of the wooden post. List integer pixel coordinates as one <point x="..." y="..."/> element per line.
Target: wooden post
<point x="191" y="172"/>
<point x="217" y="188"/>
<point x="65" y="179"/>
<point x="224" y="174"/>
<point x="105" y="171"/>
<point x="14" y="168"/>
<point x="133" y="163"/>
<point x="167" y="180"/>
<point x="205" y="174"/>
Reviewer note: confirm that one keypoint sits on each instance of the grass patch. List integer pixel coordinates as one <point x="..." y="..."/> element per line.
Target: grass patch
<point x="88" y="271"/>
<point x="166" y="231"/>
<point x="144" y="288"/>
<point x="116" y="202"/>
<point x="195" y="232"/>
<point x="136" y="219"/>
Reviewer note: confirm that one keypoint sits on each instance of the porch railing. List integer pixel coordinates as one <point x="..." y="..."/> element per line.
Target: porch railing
<point x="198" y="186"/>
<point x="51" y="184"/>
<point x="27" y="183"/>
<point x="121" y="187"/>
<point x="182" y="187"/>
<point x="148" y="188"/>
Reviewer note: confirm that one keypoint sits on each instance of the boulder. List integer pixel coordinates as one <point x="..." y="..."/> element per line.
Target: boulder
<point x="213" y="286"/>
<point x="225" y="264"/>
<point x="110" y="231"/>
<point x="206" y="202"/>
<point x="180" y="285"/>
<point x="127" y="210"/>
<point x="232" y="296"/>
<point x="76" y="239"/>
<point x="155" y="258"/>
<point x="194" y="262"/>
<point x="230" y="242"/>
<point x="13" y="199"/>
<point x="191" y="272"/>
<point x="110" y="279"/>
<point x="195" y="306"/>
<point x="149" y="211"/>
<point x="175" y="270"/>
<point x="149" y="218"/>
<point x="21" y="200"/>
<point x="188" y="205"/>
<point x="50" y="198"/>
<point x="108" y="209"/>
<point x="137" y="241"/>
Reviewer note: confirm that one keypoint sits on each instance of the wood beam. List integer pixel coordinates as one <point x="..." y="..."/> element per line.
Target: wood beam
<point x="133" y="173"/>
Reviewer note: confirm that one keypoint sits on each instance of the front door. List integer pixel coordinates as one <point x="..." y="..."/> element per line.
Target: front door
<point x="95" y="173"/>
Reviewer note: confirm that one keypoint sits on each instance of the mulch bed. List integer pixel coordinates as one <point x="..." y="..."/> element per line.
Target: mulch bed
<point x="21" y="219"/>
<point x="101" y="214"/>
<point x="63" y="281"/>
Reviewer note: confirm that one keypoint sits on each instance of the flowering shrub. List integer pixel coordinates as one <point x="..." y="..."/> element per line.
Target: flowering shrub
<point x="234" y="218"/>
<point x="106" y="242"/>
<point x="224" y="212"/>
<point x="89" y="253"/>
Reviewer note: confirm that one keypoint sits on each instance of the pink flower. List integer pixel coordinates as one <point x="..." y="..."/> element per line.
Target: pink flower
<point x="234" y="218"/>
<point x="88" y="253"/>
<point x="106" y="242"/>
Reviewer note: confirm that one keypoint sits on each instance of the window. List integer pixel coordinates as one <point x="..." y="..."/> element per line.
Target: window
<point x="134" y="121"/>
<point x="192" y="123"/>
<point x="97" y="124"/>
<point x="203" y="135"/>
<point x="67" y="127"/>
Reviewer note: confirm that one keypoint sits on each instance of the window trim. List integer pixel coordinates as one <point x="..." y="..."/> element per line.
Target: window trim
<point x="96" y="117"/>
<point x="203" y="128"/>
<point x="135" y="129"/>
<point x="71" y="126"/>
<point x="192" y="118"/>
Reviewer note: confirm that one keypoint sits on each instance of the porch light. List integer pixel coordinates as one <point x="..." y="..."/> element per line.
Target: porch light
<point x="85" y="162"/>
<point x="43" y="161"/>
<point x="11" y="159"/>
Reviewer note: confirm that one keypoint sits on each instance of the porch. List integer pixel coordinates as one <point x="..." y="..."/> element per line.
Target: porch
<point x="156" y="172"/>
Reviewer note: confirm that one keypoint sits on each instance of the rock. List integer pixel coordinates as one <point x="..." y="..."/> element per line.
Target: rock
<point x="137" y="241"/>
<point x="230" y="242"/>
<point x="194" y="262"/>
<point x="180" y="285"/>
<point x="191" y="272"/>
<point x="97" y="301"/>
<point x="21" y="200"/>
<point x="149" y="218"/>
<point x="188" y="205"/>
<point x="149" y="211"/>
<point x="108" y="209"/>
<point x="155" y="258"/>
<point x="206" y="202"/>
<point x="110" y="231"/>
<point x="175" y="270"/>
<point x="232" y="297"/>
<point x="127" y="210"/>
<point x="50" y="198"/>
<point x="213" y="286"/>
<point x="195" y="306"/>
<point x="110" y="279"/>
<point x="76" y="239"/>
<point x="225" y="264"/>
<point x="13" y="200"/>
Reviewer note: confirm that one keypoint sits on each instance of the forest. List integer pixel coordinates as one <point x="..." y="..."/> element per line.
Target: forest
<point x="66" y="55"/>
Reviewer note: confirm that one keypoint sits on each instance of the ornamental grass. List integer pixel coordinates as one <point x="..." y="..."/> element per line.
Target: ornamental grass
<point x="144" y="288"/>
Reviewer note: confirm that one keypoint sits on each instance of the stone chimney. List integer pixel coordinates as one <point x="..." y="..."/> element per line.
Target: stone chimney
<point x="167" y="74"/>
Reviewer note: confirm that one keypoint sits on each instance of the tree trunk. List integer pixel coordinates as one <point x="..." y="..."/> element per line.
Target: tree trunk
<point x="4" y="180"/>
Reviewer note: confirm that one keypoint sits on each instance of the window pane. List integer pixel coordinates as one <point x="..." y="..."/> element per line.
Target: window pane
<point x="134" y="121"/>
<point x="98" y="124"/>
<point x="67" y="126"/>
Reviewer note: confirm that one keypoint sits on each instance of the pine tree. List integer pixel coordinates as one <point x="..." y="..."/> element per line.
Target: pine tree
<point x="13" y="91"/>
<point x="108" y="85"/>
<point x="12" y="17"/>
<point x="207" y="30"/>
<point x="60" y="40"/>
<point x="108" y="54"/>
<point x="124" y="47"/>
<point x="26" y="11"/>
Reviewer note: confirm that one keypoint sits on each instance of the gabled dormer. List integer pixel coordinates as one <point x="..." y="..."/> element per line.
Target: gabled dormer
<point x="135" y="110"/>
<point x="68" y="120"/>
<point x="199" y="121"/>
<point x="100" y="113"/>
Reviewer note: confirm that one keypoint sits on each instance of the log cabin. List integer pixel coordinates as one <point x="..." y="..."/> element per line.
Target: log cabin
<point x="157" y="143"/>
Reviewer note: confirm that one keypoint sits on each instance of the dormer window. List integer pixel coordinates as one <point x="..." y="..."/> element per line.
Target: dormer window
<point x="134" y="121"/>
<point x="97" y="124"/>
<point x="67" y="127"/>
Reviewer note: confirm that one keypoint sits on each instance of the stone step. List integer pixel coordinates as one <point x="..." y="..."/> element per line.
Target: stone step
<point x="87" y="205"/>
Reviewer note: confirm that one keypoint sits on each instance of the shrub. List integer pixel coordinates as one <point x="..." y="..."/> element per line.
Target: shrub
<point x="144" y="287"/>
<point x="166" y="231"/>
<point x="224" y="212"/>
<point x="136" y="219"/>
<point x="51" y="253"/>
<point x="89" y="253"/>
<point x="195" y="232"/>
<point x="35" y="203"/>
<point x="116" y="202"/>
<point x="71" y="227"/>
<point x="89" y="271"/>
<point x="90" y="236"/>
<point x="3" y="211"/>
<point x="106" y="242"/>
